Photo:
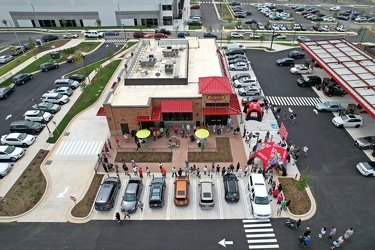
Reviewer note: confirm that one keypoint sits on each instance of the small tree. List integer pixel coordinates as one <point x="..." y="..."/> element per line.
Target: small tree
<point x="336" y="14"/>
<point x="209" y="28"/>
<point x="31" y="43"/>
<point x="64" y="22"/>
<point x="203" y="146"/>
<point x="185" y="24"/>
<point x="302" y="183"/>
<point x="98" y="22"/>
<point x="262" y="38"/>
<point x="5" y="22"/>
<point x="176" y="28"/>
<point x="230" y="19"/>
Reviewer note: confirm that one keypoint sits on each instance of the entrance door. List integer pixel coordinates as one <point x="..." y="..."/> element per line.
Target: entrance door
<point x="125" y="128"/>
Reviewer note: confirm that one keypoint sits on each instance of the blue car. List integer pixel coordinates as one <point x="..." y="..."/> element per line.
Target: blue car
<point x="181" y="35"/>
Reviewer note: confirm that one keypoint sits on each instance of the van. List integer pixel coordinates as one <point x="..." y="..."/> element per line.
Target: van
<point x="233" y="45"/>
<point x="181" y="191"/>
<point x="93" y="34"/>
<point x="107" y="194"/>
<point x="55" y="98"/>
<point x="206" y="194"/>
<point x="259" y="197"/>
<point x="66" y="83"/>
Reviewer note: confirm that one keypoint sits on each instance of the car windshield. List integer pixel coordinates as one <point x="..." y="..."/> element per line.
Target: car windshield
<point x="9" y="149"/>
<point x="344" y="118"/>
<point x="129" y="197"/>
<point x="261" y="200"/>
<point x="306" y="78"/>
<point x="58" y="96"/>
<point x="29" y="124"/>
<point x="21" y="136"/>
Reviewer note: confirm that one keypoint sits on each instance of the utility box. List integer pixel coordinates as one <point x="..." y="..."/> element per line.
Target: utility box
<point x="55" y="55"/>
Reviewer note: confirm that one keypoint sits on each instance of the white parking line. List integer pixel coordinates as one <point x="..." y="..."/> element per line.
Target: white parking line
<point x="194" y="199"/>
<point x="170" y="197"/>
<point x="244" y="200"/>
<point x="120" y="194"/>
<point x="145" y="197"/>
<point x="219" y="198"/>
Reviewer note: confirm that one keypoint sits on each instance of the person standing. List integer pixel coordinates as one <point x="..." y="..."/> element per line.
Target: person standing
<point x="301" y="240"/>
<point x="118" y="217"/>
<point x="109" y="143"/>
<point x="294" y="118"/>
<point x="246" y="170"/>
<point x="154" y="135"/>
<point x="148" y="171"/>
<point x="244" y="131"/>
<point x="217" y="169"/>
<point x="299" y="221"/>
<point x="132" y="161"/>
<point x="135" y="170"/>
<point x="332" y="233"/>
<point x="223" y="170"/>
<point x="285" y="114"/>
<point x="280" y="187"/>
<point x="179" y="172"/>
<point x="239" y="172"/>
<point x="322" y="232"/>
<point x="307" y="232"/>
<point x="307" y="241"/>
<point x="213" y="167"/>
<point x="116" y="167"/>
<point x="105" y="167"/>
<point x="270" y="179"/>
<point x="174" y="172"/>
<point x="348" y="233"/>
<point x="279" y="211"/>
<point x="305" y="149"/>
<point x="295" y="157"/>
<point x="140" y="171"/>
<point x="140" y="205"/>
<point x="126" y="169"/>
<point x="126" y="214"/>
<point x="117" y="142"/>
<point x="214" y="128"/>
<point x="205" y="170"/>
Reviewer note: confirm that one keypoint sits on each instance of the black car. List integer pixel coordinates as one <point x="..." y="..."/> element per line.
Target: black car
<point x="296" y="54"/>
<point x="238" y="60"/>
<point x="47" y="38"/>
<point x="106" y="197"/>
<point x="303" y="27"/>
<point x="234" y="3"/>
<point x="209" y="34"/>
<point x="22" y="78"/>
<point x="240" y="14"/>
<point x="318" y="28"/>
<point x="77" y="77"/>
<point x="334" y="90"/>
<point x="240" y="75"/>
<point x="111" y="33"/>
<point x="299" y="9"/>
<point x="48" y="65"/>
<point x="27" y="127"/>
<point x="250" y="21"/>
<point x="257" y="98"/>
<point x="344" y="13"/>
<point x="231" y="190"/>
<point x="157" y="187"/>
<point x="314" y="11"/>
<point x="285" y="62"/>
<point x="6" y="91"/>
<point x="236" y="56"/>
<point x="248" y="12"/>
<point x="309" y="81"/>
<point x="341" y="17"/>
<point x="164" y="31"/>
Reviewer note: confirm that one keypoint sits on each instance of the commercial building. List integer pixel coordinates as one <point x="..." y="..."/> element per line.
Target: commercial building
<point x="85" y="13"/>
<point x="170" y="82"/>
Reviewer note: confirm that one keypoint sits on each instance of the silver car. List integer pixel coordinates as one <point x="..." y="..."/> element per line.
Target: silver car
<point x="11" y="153"/>
<point x="239" y="66"/>
<point x="132" y="195"/>
<point x="364" y="143"/>
<point x="62" y="90"/>
<point x="250" y="90"/>
<point x="4" y="169"/>
<point x="6" y="58"/>
<point x="70" y="35"/>
<point x="329" y="106"/>
<point x="17" y="139"/>
<point x="206" y="193"/>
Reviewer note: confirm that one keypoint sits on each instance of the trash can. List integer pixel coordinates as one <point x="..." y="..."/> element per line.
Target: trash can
<point x="55" y="55"/>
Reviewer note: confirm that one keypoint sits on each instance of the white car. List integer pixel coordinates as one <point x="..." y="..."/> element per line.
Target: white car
<point x="6" y="58"/>
<point x="245" y="81"/>
<point x="236" y="35"/>
<point x="239" y="66"/>
<point x="329" y="19"/>
<point x="11" y="153"/>
<point x="254" y="36"/>
<point x="250" y="90"/>
<point x="360" y="19"/>
<point x="17" y="139"/>
<point x="366" y="168"/>
<point x="69" y="36"/>
<point x="349" y="121"/>
<point x="300" y="69"/>
<point x="341" y="28"/>
<point x="335" y="8"/>
<point x="275" y="26"/>
<point x="37" y="116"/>
<point x="62" y="90"/>
<point x="325" y="27"/>
<point x="280" y="36"/>
<point x="4" y="169"/>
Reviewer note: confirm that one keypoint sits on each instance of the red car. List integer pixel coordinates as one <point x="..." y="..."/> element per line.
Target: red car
<point x="147" y="36"/>
<point x="160" y="35"/>
<point x="238" y="10"/>
<point x="195" y="6"/>
<point x="70" y="59"/>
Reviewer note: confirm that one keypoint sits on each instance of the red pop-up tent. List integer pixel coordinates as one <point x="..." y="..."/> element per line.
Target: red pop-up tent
<point x="253" y="111"/>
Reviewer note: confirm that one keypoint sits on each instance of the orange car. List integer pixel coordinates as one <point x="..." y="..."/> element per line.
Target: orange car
<point x="181" y="191"/>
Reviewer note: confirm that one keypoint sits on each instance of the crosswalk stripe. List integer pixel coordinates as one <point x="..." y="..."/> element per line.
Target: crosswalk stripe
<point x="115" y="40"/>
<point x="255" y="221"/>
<point x="259" y="235"/>
<point x="264" y="246"/>
<point x="79" y="148"/>
<point x="293" y="101"/>
<point x="257" y="225"/>
<point x="261" y="241"/>
<point x="263" y="230"/>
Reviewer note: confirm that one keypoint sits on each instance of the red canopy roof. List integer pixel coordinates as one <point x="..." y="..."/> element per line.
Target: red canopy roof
<point x="214" y="85"/>
<point x="154" y="117"/>
<point x="183" y="106"/>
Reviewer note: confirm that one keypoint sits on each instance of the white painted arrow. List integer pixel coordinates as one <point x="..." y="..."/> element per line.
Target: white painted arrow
<point x="316" y="111"/>
<point x="61" y="195"/>
<point x="224" y="242"/>
<point x="290" y="110"/>
<point x="9" y="116"/>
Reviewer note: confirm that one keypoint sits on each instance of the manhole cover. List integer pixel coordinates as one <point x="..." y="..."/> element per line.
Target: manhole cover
<point x="48" y="163"/>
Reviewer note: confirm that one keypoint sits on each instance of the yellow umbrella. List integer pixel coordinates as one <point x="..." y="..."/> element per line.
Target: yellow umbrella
<point x="144" y="133"/>
<point x="202" y="133"/>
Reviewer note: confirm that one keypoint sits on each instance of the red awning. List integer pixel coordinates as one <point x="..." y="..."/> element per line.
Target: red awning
<point x="154" y="117"/>
<point x="182" y="106"/>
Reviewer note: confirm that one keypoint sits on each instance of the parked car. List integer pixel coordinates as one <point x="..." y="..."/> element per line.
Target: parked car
<point x="280" y="36"/>
<point x="22" y="78"/>
<point x="17" y="139"/>
<point x="209" y="34"/>
<point x="181" y="191"/>
<point x="132" y="195"/>
<point x="341" y="28"/>
<point x="47" y="38"/>
<point x="55" y="98"/>
<point x="6" y="58"/>
<point x="239" y="66"/>
<point x="250" y="90"/>
<point x="254" y="36"/>
<point x="360" y="19"/>
<point x="181" y="35"/>
<point x="11" y="153"/>
<point x="236" y="60"/>
<point x="244" y="82"/>
<point x="47" y="107"/>
<point x="206" y="193"/>
<point x="309" y="81"/>
<point x="160" y="35"/>
<point x="70" y="59"/>
<point x="111" y="33"/>
<point x="366" y="142"/>
<point x="260" y="26"/>
<point x="37" y="116"/>
<point x="70" y="36"/>
<point x="231" y="190"/>
<point x="234" y="51"/>
<point x="157" y="187"/>
<point x="318" y="28"/>
<point x="259" y="197"/>
<point x="335" y="8"/>
<point x="366" y="168"/>
<point x="240" y="75"/>
<point x="195" y="6"/>
<point x="138" y="34"/>
<point x="164" y="31"/>
<point x="349" y="121"/>
<point x="331" y="106"/>
<point x="300" y="69"/>
<point x="4" y="169"/>
<point x="77" y="77"/>
<point x="236" y="35"/>
<point x="285" y="62"/>
<point x="62" y="90"/>
<point x="105" y="200"/>
<point x="329" y="19"/>
<point x="232" y="57"/>
<point x="258" y="98"/>
<point x="48" y="66"/>
<point x="240" y="14"/>
<point x="6" y="91"/>
<point x="25" y="127"/>
<point x="334" y="90"/>
<point x="303" y="39"/>
<point x="296" y="54"/>
<point x="344" y="18"/>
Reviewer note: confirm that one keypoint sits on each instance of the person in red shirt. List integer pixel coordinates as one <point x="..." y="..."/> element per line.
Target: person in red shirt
<point x="275" y="193"/>
<point x="140" y="172"/>
<point x="163" y="172"/>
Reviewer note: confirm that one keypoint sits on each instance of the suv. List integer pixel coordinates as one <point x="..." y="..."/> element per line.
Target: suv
<point x="4" y="169"/>
<point x="259" y="197"/>
<point x="157" y="188"/>
<point x="48" y="65"/>
<point x="206" y="194"/>
<point x="55" y="98"/>
<point x="11" y="153"/>
<point x="66" y="83"/>
<point x="37" y="116"/>
<point x="236" y="35"/>
<point x="234" y="51"/>
<point x="231" y="190"/>
<point x="285" y="61"/>
<point x="107" y="194"/>
<point x="334" y="90"/>
<point x="309" y="81"/>
<point x="22" y="78"/>
<point x="245" y="81"/>
<point x="240" y="75"/>
<point x="296" y="54"/>
<point x="132" y="195"/>
<point x="62" y="90"/>
<point x="365" y="142"/>
<point x="47" y="38"/>
<point x="181" y="191"/>
<point x="93" y="34"/>
<point x="25" y="127"/>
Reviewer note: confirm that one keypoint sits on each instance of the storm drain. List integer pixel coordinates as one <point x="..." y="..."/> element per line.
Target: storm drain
<point x="48" y="163"/>
<point x="67" y="134"/>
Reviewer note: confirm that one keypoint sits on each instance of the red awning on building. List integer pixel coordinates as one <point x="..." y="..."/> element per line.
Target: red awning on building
<point x="233" y="108"/>
<point x="182" y="106"/>
<point x="154" y="117"/>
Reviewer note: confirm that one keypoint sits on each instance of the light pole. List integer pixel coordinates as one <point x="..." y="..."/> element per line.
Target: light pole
<point x="221" y="37"/>
<point x="123" y="28"/>
<point x="294" y="36"/>
<point x="14" y="31"/>
<point x="54" y="123"/>
<point x="273" y="35"/>
<point x="49" y="131"/>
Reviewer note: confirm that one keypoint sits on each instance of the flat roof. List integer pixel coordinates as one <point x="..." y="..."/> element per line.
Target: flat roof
<point x="349" y="66"/>
<point x="203" y="61"/>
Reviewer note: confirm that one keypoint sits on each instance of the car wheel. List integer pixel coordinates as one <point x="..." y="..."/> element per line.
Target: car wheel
<point x="238" y="86"/>
<point x="31" y="77"/>
<point x="365" y="148"/>
<point x="329" y="94"/>
<point x="357" y="126"/>
<point x="61" y="103"/>
<point x="46" y="70"/>
<point x="342" y="95"/>
<point x="244" y="69"/>
<point x="296" y="73"/>
<point x="243" y="94"/>
<point x="58" y="66"/>
<point x="5" y="96"/>
<point x="340" y="126"/>
<point x="13" y="159"/>
<point x="323" y="110"/>
<point x="6" y="144"/>
<point x="23" y="82"/>
<point x="24" y="144"/>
